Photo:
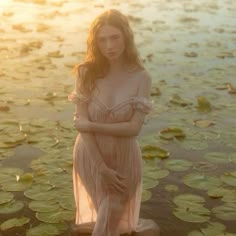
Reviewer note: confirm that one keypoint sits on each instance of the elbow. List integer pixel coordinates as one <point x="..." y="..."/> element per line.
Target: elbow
<point x="135" y="129"/>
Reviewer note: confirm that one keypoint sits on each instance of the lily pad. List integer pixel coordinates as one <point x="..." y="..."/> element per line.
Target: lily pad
<point x="177" y="164"/>
<point x="43" y="206"/>
<point x="151" y="151"/>
<point x="226" y="211"/>
<point x="195" y="213"/>
<point x="171" y="188"/>
<point x="46" y="230"/>
<point x="203" y="123"/>
<point x="5" y="197"/>
<point x="55" y="217"/>
<point x="204" y="166"/>
<point x="41" y="192"/>
<point x="176" y="99"/>
<point x="201" y="181"/>
<point x="217" y="157"/>
<point x="11" y="207"/>
<point x="203" y="104"/>
<point x="229" y="178"/>
<point x="188" y="199"/>
<point x="146" y="195"/>
<point x="15" y="222"/>
<point x="171" y="133"/>
<point x="212" y="229"/>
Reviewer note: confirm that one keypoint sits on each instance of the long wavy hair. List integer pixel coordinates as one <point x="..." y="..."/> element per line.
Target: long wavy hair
<point x="95" y="64"/>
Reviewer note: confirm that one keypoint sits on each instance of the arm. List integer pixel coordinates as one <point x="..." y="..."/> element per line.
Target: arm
<point x="88" y="138"/>
<point x="132" y="127"/>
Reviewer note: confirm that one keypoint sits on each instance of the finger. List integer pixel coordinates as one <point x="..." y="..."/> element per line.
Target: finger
<point x="120" y="176"/>
<point x="118" y="188"/>
<point x="120" y="184"/>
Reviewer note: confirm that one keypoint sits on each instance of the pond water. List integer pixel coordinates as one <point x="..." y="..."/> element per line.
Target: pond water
<point x="189" y="48"/>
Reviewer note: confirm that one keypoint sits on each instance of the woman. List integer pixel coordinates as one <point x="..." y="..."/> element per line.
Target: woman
<point x="112" y="99"/>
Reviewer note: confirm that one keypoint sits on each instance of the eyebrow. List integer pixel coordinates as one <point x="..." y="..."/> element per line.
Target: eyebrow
<point x="103" y="37"/>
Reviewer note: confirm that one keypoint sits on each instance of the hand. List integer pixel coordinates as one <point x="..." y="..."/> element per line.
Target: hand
<point x="113" y="180"/>
<point x="82" y="124"/>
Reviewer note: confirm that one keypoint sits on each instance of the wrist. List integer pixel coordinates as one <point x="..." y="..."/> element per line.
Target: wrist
<point x="92" y="126"/>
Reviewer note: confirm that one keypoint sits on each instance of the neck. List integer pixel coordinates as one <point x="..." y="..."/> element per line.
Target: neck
<point x="116" y="66"/>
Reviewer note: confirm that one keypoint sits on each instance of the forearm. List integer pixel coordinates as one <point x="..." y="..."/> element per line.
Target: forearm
<point x="115" y="129"/>
<point x="92" y="147"/>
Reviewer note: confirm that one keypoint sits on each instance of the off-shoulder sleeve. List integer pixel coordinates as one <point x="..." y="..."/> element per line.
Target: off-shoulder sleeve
<point x="143" y="104"/>
<point x="77" y="98"/>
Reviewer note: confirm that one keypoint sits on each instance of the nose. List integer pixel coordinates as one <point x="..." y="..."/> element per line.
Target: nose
<point x="109" y="44"/>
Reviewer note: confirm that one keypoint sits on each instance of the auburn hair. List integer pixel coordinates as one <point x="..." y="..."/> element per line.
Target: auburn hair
<point x="95" y="64"/>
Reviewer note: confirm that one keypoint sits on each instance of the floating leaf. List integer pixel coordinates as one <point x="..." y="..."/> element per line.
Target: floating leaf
<point x="201" y="181"/>
<point x="231" y="89"/>
<point x="67" y="203"/>
<point x="204" y="166"/>
<point x="56" y="54"/>
<point x="171" y="188"/>
<point x="44" y="229"/>
<point x="43" y="206"/>
<point x="203" y="104"/>
<point x="41" y="192"/>
<point x="212" y="229"/>
<point x="11" y="207"/>
<point x="195" y="213"/>
<point x="188" y="199"/>
<point x="190" y="54"/>
<point x="146" y="195"/>
<point x="177" y="164"/>
<point x="5" y="197"/>
<point x="55" y="217"/>
<point x="203" y="123"/>
<point x="229" y="178"/>
<point x="151" y="151"/>
<point x="171" y="133"/>
<point x="15" y="222"/>
<point x="176" y="99"/>
<point x="218" y="157"/>
<point x="226" y="211"/>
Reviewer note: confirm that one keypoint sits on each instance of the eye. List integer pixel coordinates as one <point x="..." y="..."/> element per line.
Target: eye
<point x="114" y="37"/>
<point x="101" y="40"/>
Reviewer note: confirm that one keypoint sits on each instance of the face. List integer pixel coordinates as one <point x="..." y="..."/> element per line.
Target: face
<point x="110" y="41"/>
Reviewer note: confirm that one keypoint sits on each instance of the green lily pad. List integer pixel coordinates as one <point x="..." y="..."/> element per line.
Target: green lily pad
<point x="151" y="151"/>
<point x="15" y="222"/>
<point x="229" y="178"/>
<point x="195" y="213"/>
<point x="149" y="183"/>
<point x="5" y="197"/>
<point x="43" y="206"/>
<point x="11" y="207"/>
<point x="176" y="99"/>
<point x="171" y="188"/>
<point x="67" y="203"/>
<point x="203" y="104"/>
<point x="217" y="157"/>
<point x="203" y="123"/>
<point x="226" y="211"/>
<point x="212" y="229"/>
<point x="171" y="133"/>
<point x="41" y="192"/>
<point x="46" y="230"/>
<point x="55" y="217"/>
<point x="146" y="195"/>
<point x="201" y="181"/>
<point x="188" y="199"/>
<point x="177" y="164"/>
<point x="204" y="166"/>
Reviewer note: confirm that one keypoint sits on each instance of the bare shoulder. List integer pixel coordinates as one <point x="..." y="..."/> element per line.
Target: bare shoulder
<point x="144" y="78"/>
